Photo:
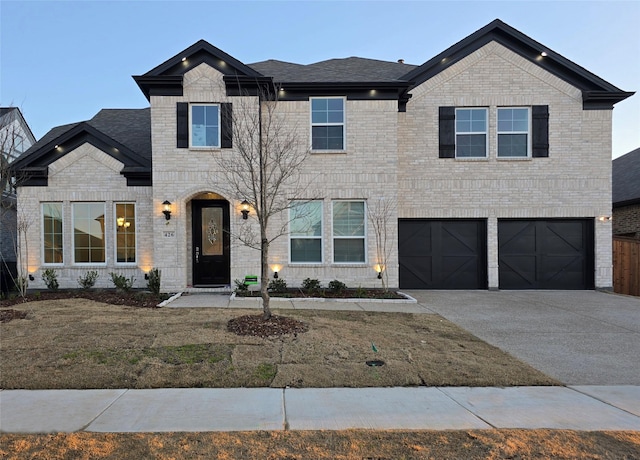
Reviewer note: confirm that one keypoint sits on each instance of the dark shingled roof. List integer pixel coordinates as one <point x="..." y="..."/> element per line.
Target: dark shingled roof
<point x="351" y="69"/>
<point x="626" y="179"/>
<point x="129" y="127"/>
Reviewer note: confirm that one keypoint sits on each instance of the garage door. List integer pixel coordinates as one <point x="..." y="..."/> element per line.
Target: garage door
<point x="546" y="254"/>
<point x="442" y="254"/>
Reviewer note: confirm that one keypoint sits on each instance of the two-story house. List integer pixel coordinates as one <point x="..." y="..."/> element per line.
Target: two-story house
<point x="496" y="152"/>
<point x="15" y="138"/>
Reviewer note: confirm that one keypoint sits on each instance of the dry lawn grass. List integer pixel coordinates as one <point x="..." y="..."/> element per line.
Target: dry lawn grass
<point x="79" y="343"/>
<point x="353" y="444"/>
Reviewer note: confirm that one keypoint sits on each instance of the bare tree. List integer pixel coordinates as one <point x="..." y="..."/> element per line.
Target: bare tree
<point x="265" y="170"/>
<point x="381" y="214"/>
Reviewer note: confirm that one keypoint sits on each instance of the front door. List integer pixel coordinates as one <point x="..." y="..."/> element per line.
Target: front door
<point x="211" y="261"/>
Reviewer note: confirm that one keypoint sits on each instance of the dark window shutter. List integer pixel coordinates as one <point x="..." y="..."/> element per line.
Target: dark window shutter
<point x="540" y="131"/>
<point x="182" y="126"/>
<point x="447" y="129"/>
<point x="226" y="120"/>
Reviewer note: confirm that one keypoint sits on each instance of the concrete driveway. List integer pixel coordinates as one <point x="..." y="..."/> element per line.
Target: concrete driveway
<point x="577" y="337"/>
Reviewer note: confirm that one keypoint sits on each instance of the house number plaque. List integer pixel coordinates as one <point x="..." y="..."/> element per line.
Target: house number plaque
<point x="169" y="234"/>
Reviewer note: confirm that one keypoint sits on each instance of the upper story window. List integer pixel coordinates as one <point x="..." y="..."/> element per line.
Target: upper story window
<point x="205" y="125"/>
<point x="523" y="132"/>
<point x="471" y="133"/>
<point x="327" y="123"/>
<point x="305" y="232"/>
<point x="513" y="132"/>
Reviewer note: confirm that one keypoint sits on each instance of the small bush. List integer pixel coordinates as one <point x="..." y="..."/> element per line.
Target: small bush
<point x="337" y="286"/>
<point x="277" y="285"/>
<point x="88" y="280"/>
<point x="50" y="278"/>
<point x="311" y="285"/>
<point x="361" y="292"/>
<point x="154" y="281"/>
<point x="241" y="287"/>
<point x="122" y="282"/>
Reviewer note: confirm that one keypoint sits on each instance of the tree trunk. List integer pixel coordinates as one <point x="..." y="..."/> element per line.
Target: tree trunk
<point x="264" y="278"/>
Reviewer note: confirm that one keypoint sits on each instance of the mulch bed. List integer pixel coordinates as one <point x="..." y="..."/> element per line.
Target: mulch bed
<point x="139" y="299"/>
<point x="329" y="294"/>
<point x="275" y="326"/>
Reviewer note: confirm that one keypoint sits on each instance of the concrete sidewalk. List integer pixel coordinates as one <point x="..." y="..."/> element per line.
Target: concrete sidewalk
<point x="248" y="409"/>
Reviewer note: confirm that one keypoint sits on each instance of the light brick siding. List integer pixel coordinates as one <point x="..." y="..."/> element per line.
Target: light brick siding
<point x="365" y="171"/>
<point x="83" y="175"/>
<point x="626" y="220"/>
<point x="575" y="181"/>
<point x="389" y="154"/>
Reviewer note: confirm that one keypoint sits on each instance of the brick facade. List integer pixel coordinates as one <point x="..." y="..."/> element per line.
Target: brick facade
<point x="390" y="154"/>
<point x="626" y="220"/>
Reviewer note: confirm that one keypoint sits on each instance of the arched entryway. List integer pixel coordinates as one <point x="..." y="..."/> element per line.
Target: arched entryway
<point x="210" y="247"/>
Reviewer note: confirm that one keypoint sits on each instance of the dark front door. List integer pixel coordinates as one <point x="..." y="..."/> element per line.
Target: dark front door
<point x="442" y="254"/>
<point x="211" y="261"/>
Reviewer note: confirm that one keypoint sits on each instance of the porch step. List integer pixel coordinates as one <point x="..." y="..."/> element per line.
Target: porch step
<point x="208" y="290"/>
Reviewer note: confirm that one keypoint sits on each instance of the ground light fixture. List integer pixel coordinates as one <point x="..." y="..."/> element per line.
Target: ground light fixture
<point x="166" y="209"/>
<point x="244" y="209"/>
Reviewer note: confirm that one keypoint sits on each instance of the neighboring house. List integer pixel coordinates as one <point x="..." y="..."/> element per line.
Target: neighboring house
<point x="497" y="152"/>
<point x="15" y="138"/>
<point x="626" y="195"/>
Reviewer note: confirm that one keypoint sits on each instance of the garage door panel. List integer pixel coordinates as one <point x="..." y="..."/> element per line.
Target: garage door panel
<point x="414" y="239"/>
<point x="442" y="254"/>
<point x="546" y="254"/>
<point x="416" y="272"/>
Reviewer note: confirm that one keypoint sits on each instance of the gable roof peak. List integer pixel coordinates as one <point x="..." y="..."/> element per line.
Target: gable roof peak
<point x="596" y="92"/>
<point x="169" y="74"/>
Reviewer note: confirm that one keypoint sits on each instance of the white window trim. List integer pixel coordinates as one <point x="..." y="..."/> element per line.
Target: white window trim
<point x="115" y="232"/>
<point x="205" y="147"/>
<point x="485" y="132"/>
<point x="42" y="254"/>
<point x="363" y="237"/>
<point x="73" y="239"/>
<point x="343" y="124"/>
<point x="321" y="262"/>
<point x="528" y="133"/>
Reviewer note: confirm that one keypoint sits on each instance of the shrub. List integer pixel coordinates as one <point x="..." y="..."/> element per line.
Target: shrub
<point x="50" y="278"/>
<point x="361" y="292"/>
<point x="277" y="285"/>
<point x="311" y="285"/>
<point x="154" y="281"/>
<point x="337" y="286"/>
<point x="122" y="282"/>
<point x="241" y="287"/>
<point x="88" y="280"/>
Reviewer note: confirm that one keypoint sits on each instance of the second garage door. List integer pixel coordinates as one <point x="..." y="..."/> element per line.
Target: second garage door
<point x="442" y="254"/>
<point x="546" y="254"/>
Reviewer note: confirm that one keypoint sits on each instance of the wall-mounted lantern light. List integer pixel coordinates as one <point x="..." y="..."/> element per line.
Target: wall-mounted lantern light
<point x="166" y="209"/>
<point x="379" y="268"/>
<point x="244" y="209"/>
<point x="604" y="218"/>
<point x="276" y="269"/>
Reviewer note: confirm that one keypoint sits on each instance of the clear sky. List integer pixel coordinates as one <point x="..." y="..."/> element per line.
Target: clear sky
<point x="63" y="61"/>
